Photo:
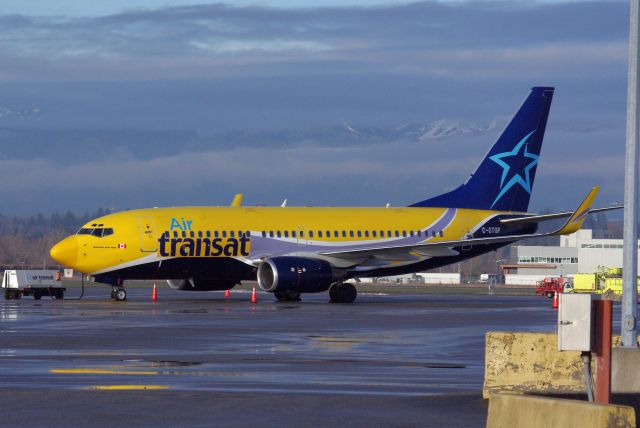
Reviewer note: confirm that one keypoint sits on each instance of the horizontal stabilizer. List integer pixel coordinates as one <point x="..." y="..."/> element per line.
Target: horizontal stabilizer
<point x="555" y="216"/>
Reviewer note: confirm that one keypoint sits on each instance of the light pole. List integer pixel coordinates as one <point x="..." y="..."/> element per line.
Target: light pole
<point x="629" y="331"/>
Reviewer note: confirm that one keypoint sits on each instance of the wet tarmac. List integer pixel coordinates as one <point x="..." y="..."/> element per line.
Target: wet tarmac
<point x="198" y="359"/>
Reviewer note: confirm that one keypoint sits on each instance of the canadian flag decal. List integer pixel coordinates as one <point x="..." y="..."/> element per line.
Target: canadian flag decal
<point x="122" y="246"/>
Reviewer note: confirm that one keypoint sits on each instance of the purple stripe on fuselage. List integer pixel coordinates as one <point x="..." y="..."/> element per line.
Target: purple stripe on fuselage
<point x="263" y="246"/>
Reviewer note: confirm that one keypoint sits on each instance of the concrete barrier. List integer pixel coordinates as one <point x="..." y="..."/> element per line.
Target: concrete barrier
<point x="625" y="371"/>
<point x="524" y="411"/>
<point x="531" y="363"/>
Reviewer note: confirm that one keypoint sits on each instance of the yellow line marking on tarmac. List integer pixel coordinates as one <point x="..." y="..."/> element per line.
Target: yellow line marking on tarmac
<point x="102" y="371"/>
<point x="126" y="387"/>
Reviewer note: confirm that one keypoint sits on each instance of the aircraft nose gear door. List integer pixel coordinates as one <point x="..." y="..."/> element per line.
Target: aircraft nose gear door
<point x="148" y="241"/>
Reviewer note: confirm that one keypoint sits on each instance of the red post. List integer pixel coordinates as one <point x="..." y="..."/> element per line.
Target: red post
<point x="602" y="348"/>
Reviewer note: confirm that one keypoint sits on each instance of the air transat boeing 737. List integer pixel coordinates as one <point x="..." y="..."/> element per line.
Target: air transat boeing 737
<point x="310" y="250"/>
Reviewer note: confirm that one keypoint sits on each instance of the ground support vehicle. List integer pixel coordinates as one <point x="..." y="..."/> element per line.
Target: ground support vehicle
<point x="36" y="283"/>
<point x="549" y="286"/>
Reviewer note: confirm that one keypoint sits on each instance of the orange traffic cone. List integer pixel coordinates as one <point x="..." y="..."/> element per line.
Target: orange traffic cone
<point x="154" y="294"/>
<point x="555" y="300"/>
<point x="254" y="297"/>
<point x="227" y="294"/>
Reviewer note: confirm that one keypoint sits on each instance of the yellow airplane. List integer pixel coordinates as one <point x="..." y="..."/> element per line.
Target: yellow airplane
<point x="309" y="250"/>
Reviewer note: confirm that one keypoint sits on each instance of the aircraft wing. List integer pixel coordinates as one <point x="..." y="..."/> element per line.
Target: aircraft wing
<point x="446" y="248"/>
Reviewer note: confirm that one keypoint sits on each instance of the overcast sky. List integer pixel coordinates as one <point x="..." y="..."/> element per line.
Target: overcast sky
<point x="123" y="76"/>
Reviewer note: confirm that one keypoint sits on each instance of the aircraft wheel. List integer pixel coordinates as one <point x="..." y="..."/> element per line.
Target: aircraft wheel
<point x="120" y="294"/>
<point x="37" y="296"/>
<point x="343" y="293"/>
<point x="17" y="295"/>
<point x="58" y="294"/>
<point x="287" y="296"/>
<point x="8" y="295"/>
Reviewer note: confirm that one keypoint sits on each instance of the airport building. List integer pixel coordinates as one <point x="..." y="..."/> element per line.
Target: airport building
<point x="579" y="252"/>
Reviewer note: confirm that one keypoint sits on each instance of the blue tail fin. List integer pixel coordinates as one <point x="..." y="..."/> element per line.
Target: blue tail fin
<point x="504" y="179"/>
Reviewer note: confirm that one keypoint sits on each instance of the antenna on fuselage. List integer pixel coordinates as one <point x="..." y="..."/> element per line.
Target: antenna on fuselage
<point x="284" y="203"/>
<point x="237" y="200"/>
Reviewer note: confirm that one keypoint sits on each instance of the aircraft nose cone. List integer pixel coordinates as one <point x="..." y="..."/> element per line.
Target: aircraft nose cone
<point x="65" y="252"/>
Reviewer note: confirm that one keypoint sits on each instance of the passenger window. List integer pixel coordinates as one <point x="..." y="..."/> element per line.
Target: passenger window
<point x="328" y="235"/>
<point x="311" y="234"/>
<point x="344" y="233"/>
<point x="286" y="233"/>
<point x="224" y="233"/>
<point x="433" y="233"/>
<point x="359" y="234"/>
<point x="109" y="231"/>
<point x="351" y="233"/>
<point x="335" y="234"/>
<point x="184" y="234"/>
<point x="319" y="234"/>
<point x="293" y="233"/>
<point x="192" y="234"/>
<point x="397" y="234"/>
<point x="232" y="234"/>
<point x="271" y="234"/>
<point x="411" y="233"/>
<point x="264" y="234"/>
<point x="366" y="233"/>
<point x="279" y="234"/>
<point x="404" y="233"/>
<point x="441" y="234"/>
<point x="216" y="234"/>
<point x="302" y="233"/>
<point x="208" y="234"/>
<point x="389" y="234"/>
<point x="375" y="234"/>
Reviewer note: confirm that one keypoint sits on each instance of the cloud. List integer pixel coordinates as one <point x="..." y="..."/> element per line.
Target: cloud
<point x="218" y="40"/>
<point x="398" y="172"/>
<point x="110" y="85"/>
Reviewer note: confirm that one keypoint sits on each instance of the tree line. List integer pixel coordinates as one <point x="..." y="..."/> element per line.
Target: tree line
<point x="25" y="241"/>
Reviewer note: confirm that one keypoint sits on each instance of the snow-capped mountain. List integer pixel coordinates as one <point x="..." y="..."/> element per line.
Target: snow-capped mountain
<point x="21" y="112"/>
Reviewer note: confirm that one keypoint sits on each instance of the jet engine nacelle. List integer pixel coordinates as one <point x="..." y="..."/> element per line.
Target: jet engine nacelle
<point x="296" y="274"/>
<point x="197" y="284"/>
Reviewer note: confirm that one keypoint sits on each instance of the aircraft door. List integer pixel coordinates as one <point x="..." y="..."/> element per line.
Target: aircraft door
<point x="148" y="241"/>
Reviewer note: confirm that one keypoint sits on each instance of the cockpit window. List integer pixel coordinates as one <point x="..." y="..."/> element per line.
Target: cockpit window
<point x="98" y="232"/>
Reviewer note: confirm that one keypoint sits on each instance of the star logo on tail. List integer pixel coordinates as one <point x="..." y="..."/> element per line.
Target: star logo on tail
<point x="515" y="170"/>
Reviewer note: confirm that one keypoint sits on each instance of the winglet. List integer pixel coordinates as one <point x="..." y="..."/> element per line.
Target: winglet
<point x="237" y="200"/>
<point x="579" y="215"/>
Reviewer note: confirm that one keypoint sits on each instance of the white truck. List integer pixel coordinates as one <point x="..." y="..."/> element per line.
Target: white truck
<point x="36" y="283"/>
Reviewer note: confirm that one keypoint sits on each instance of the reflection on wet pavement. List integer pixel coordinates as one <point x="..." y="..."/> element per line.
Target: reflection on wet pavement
<point x="388" y="345"/>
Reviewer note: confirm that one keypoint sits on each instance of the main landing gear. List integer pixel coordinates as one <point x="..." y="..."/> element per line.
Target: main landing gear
<point x="342" y="292"/>
<point x="287" y="296"/>
<point x="119" y="294"/>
